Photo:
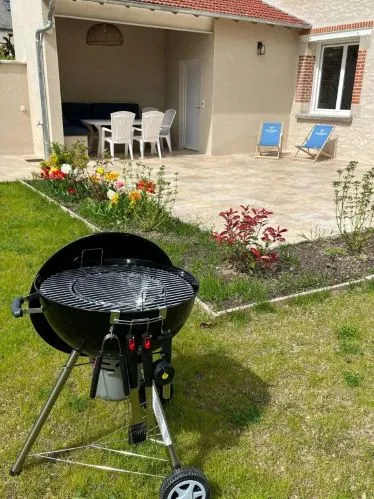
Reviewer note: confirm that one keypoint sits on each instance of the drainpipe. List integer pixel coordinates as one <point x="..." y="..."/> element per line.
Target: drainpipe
<point x="39" y="34"/>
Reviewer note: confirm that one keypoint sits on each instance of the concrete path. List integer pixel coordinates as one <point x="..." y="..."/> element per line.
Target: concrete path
<point x="299" y="193"/>
<point x="15" y="167"/>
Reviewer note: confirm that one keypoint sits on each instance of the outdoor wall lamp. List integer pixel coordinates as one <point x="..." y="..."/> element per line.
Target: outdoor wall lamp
<point x="260" y="48"/>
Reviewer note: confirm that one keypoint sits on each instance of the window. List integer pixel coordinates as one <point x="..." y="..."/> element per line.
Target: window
<point x="335" y="78"/>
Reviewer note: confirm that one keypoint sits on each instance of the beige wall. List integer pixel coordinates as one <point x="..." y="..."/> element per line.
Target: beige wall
<point x="328" y="12"/>
<point x="133" y="72"/>
<point x="249" y="88"/>
<point x="183" y="46"/>
<point x="15" y="126"/>
<point x="27" y="17"/>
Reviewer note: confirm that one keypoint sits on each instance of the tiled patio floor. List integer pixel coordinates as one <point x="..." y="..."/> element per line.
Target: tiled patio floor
<point x="298" y="192"/>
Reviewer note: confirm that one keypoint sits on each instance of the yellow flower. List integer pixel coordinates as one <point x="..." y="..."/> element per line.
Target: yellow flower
<point x="53" y="159"/>
<point x="113" y="196"/>
<point x="100" y="170"/>
<point x="134" y="196"/>
<point x="111" y="176"/>
<point x="53" y="170"/>
<point x="114" y="199"/>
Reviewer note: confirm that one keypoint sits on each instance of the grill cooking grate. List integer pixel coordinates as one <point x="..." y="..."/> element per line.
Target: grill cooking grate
<point x="125" y="287"/>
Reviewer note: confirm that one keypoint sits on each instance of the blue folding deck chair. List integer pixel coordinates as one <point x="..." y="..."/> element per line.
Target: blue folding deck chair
<point x="269" y="141"/>
<point x="316" y="140"/>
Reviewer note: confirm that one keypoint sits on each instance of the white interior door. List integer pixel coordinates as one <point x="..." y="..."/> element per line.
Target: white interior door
<point x="192" y="81"/>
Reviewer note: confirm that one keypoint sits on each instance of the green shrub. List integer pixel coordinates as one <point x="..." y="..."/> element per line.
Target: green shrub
<point x="354" y="206"/>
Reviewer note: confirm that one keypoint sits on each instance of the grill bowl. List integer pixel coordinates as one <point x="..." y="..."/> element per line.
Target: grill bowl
<point x="78" y="295"/>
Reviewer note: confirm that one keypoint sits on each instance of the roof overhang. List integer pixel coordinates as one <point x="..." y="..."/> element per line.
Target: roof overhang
<point x="115" y="12"/>
<point x="198" y="13"/>
<point x="336" y="35"/>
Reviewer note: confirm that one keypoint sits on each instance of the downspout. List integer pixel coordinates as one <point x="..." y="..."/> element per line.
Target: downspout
<point x="39" y="34"/>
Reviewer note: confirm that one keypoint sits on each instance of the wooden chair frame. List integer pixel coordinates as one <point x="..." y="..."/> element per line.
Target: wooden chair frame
<point x="315" y="156"/>
<point x="276" y="149"/>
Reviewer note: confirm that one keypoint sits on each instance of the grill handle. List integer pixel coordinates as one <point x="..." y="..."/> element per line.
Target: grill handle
<point x="17" y="303"/>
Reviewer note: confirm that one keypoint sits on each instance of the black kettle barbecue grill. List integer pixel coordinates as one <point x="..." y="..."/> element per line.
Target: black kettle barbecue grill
<point x="116" y="298"/>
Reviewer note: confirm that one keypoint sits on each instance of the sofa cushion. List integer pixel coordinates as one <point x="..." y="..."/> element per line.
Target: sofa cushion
<point x="74" y="112"/>
<point x="72" y="130"/>
<point x="103" y="110"/>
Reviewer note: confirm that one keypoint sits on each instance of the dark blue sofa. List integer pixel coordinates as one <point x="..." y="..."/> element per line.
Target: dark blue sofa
<point x="74" y="112"/>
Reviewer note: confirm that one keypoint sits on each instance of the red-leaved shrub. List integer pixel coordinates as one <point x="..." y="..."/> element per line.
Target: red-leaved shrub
<point x="250" y="241"/>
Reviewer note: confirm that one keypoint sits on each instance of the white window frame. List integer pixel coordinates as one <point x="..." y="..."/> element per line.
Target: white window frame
<point x="317" y="80"/>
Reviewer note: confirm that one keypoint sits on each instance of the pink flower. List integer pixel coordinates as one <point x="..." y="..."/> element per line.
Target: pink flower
<point x="119" y="184"/>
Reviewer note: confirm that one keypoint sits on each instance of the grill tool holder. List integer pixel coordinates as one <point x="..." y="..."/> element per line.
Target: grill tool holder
<point x="139" y="335"/>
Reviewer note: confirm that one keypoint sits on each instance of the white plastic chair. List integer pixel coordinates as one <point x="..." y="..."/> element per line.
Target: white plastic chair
<point x="122" y="123"/>
<point x="147" y="109"/>
<point x="166" y="126"/>
<point x="150" y="131"/>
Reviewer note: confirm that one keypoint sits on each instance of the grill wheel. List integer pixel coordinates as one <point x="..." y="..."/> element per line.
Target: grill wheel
<point x="186" y="483"/>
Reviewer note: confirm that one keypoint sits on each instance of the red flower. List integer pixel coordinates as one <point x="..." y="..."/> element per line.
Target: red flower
<point x="146" y="185"/>
<point x="45" y="172"/>
<point x="56" y="175"/>
<point x="71" y="190"/>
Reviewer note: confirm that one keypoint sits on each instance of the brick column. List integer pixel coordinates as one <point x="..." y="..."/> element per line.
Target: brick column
<point x="304" y="83"/>
<point x="357" y="87"/>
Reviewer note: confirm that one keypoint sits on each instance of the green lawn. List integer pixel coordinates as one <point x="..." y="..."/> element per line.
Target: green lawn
<point x="273" y="403"/>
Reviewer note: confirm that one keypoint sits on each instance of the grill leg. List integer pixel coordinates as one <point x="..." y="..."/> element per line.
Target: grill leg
<point x="33" y="435"/>
<point x="162" y="424"/>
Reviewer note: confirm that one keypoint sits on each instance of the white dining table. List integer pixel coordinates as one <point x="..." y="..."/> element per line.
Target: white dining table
<point x="98" y="125"/>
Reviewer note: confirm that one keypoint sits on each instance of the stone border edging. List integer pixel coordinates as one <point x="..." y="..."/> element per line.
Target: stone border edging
<point x="275" y="301"/>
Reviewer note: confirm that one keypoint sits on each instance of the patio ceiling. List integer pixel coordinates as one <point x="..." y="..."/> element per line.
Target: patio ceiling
<point x="245" y="10"/>
<point x="116" y="12"/>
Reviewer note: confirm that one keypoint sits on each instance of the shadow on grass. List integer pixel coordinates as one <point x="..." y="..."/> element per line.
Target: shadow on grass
<point x="217" y="399"/>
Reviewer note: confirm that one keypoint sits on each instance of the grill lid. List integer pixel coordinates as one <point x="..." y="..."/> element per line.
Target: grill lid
<point x="123" y="287"/>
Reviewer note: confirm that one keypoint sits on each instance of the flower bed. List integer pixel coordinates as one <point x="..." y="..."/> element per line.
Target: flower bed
<point x="247" y="262"/>
<point x="137" y="197"/>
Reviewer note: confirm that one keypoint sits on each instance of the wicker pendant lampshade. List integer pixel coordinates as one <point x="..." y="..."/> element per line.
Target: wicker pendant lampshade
<point x="104" y="34"/>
